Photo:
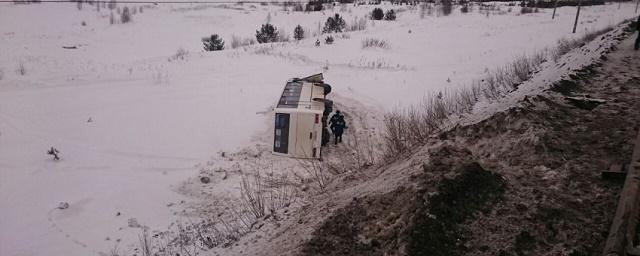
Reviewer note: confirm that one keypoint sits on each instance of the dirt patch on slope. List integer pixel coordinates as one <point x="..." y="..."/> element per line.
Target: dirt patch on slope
<point x="436" y="227"/>
<point x="547" y="150"/>
<point x="551" y="151"/>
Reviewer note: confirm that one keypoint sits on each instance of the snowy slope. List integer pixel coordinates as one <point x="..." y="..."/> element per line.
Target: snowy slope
<point x="154" y="117"/>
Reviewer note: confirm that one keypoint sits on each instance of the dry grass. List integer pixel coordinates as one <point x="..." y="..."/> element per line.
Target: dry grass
<point x="237" y="42"/>
<point x="261" y="198"/>
<point x="21" y="70"/>
<point x="566" y="45"/>
<point x="410" y="127"/>
<point x="375" y="43"/>
<point x="181" y="54"/>
<point x="359" y="23"/>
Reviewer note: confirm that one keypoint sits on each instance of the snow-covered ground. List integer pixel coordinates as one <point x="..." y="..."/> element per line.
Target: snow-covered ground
<point x="155" y="117"/>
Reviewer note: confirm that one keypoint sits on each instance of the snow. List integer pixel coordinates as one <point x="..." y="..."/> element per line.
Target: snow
<point x="155" y="118"/>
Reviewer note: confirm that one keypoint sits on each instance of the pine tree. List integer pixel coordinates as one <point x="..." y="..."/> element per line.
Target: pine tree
<point x="126" y="15"/>
<point x="390" y="15"/>
<point x="267" y="34"/>
<point x="213" y="43"/>
<point x="334" y="24"/>
<point x="377" y="14"/>
<point x="298" y="33"/>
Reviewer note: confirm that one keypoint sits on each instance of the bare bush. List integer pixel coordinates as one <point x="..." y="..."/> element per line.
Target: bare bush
<point x="283" y="36"/>
<point x="522" y="68"/>
<point x="1" y="74"/>
<point x="374" y="42"/>
<point x="237" y="41"/>
<point x="317" y="171"/>
<point x="145" y="243"/>
<point x="261" y="195"/>
<point x="359" y="23"/>
<point x="564" y="46"/>
<point x="21" y="70"/>
<point x="181" y="54"/>
<point x="115" y="251"/>
<point x="281" y="192"/>
<point x="252" y="195"/>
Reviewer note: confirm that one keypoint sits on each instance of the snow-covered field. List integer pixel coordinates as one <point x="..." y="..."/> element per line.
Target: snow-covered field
<point x="154" y="117"/>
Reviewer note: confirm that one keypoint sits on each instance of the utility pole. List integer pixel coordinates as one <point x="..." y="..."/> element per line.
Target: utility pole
<point x="575" y="24"/>
<point x="637" y="2"/>
<point x="555" y="5"/>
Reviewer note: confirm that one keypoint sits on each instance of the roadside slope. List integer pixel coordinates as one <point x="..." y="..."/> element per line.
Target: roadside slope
<point x="548" y="151"/>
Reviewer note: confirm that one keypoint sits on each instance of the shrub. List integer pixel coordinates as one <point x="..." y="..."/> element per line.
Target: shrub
<point x="298" y="33"/>
<point x="447" y="7"/>
<point x="213" y="43"/>
<point x="526" y="10"/>
<point x="373" y="42"/>
<point x="390" y="15"/>
<point x="126" y="15"/>
<point x="328" y="40"/>
<point x="377" y="14"/>
<point x="464" y="8"/>
<point x="298" y="7"/>
<point x="267" y="34"/>
<point x="314" y="6"/>
<point x="334" y="24"/>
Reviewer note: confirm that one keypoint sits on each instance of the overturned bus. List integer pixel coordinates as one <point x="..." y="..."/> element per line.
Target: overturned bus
<point x="300" y="128"/>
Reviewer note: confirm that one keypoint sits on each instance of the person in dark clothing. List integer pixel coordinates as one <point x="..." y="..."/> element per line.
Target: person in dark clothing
<point x="637" y="45"/>
<point x="334" y="118"/>
<point x="337" y="125"/>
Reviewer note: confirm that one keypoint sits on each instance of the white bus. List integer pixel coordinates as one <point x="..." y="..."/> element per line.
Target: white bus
<point x="300" y="118"/>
